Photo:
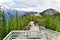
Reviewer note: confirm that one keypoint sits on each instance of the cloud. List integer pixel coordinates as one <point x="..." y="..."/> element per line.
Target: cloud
<point x="2" y="1"/>
<point x="36" y="5"/>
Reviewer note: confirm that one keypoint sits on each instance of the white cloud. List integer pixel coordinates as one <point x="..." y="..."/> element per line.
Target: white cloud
<point x="1" y="1"/>
<point x="31" y="5"/>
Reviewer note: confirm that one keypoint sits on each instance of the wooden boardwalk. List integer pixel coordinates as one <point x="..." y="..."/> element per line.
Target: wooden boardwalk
<point x="33" y="32"/>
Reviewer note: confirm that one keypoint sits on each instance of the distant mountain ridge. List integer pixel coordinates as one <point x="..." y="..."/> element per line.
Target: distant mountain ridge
<point x="50" y="11"/>
<point x="21" y="13"/>
<point x="9" y="12"/>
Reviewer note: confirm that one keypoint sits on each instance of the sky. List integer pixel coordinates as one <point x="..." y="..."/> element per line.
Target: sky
<point x="31" y="5"/>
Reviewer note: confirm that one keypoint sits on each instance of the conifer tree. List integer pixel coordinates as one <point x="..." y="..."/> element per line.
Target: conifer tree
<point x="16" y="20"/>
<point x="1" y="28"/>
<point x="4" y="23"/>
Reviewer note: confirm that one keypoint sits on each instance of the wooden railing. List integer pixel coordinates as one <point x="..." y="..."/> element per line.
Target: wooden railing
<point x="29" y="34"/>
<point x="8" y="37"/>
<point x="26" y="35"/>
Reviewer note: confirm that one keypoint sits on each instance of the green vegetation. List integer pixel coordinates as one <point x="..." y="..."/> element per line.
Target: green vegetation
<point x="50" y="21"/>
<point x="18" y="23"/>
<point x="2" y="26"/>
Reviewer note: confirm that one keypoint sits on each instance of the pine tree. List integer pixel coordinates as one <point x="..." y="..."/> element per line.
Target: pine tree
<point x="1" y="28"/>
<point x="16" y="20"/>
<point x="4" y="23"/>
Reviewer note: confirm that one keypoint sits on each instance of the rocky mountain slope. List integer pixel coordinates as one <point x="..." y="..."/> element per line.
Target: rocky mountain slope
<point x="50" y="11"/>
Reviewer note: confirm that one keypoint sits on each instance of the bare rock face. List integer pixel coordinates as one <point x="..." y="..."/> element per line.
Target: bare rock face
<point x="50" y="11"/>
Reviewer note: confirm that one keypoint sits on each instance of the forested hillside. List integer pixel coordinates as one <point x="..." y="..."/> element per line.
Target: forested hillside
<point x="18" y="23"/>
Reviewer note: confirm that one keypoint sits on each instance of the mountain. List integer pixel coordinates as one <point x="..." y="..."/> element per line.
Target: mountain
<point x="50" y="11"/>
<point x="9" y="13"/>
